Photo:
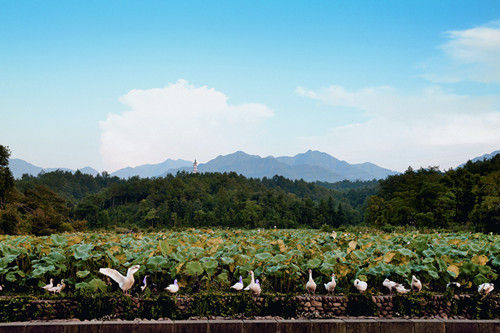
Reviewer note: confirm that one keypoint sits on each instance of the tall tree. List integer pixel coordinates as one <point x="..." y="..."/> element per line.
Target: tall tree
<point x="6" y="178"/>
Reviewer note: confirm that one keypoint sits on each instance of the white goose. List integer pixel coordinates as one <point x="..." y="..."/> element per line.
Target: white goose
<point x="238" y="285"/>
<point x="50" y="285"/>
<point x="125" y="282"/>
<point x="253" y="287"/>
<point x="389" y="284"/>
<point x="416" y="285"/>
<point x="330" y="286"/>
<point x="173" y="288"/>
<point x="360" y="285"/>
<point x="252" y="281"/>
<point x="311" y="285"/>
<point x="400" y="288"/>
<point x="453" y="285"/>
<point x="145" y="283"/>
<point x="256" y="290"/>
<point x="485" y="288"/>
<point x="57" y="289"/>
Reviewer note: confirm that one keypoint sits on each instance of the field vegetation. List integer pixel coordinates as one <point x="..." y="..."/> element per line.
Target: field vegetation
<point x="213" y="259"/>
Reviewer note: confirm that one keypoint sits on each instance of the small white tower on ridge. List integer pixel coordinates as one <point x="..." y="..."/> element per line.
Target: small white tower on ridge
<point x="195" y="166"/>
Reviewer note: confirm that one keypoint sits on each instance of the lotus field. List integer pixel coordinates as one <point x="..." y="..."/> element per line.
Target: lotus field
<point x="212" y="260"/>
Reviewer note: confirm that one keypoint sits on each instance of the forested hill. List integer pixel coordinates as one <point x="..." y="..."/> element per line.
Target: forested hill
<point x="469" y="195"/>
<point x="57" y="201"/>
<point x="209" y="199"/>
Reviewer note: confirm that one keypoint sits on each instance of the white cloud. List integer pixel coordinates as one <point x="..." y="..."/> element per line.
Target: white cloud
<point x="428" y="128"/>
<point x="474" y="55"/>
<point x="178" y="121"/>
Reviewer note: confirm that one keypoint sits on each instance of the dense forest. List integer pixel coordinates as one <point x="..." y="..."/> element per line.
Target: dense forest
<point x="466" y="196"/>
<point x="63" y="201"/>
<point x="59" y="201"/>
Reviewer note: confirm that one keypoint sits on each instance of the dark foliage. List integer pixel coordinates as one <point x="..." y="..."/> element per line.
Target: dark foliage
<point x="215" y="199"/>
<point x="6" y="178"/>
<point x="59" y="200"/>
<point x="430" y="198"/>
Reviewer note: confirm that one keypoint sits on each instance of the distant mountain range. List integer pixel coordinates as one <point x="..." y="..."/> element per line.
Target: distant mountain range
<point x="20" y="167"/>
<point x="482" y="157"/>
<point x="310" y="166"/>
<point x="151" y="170"/>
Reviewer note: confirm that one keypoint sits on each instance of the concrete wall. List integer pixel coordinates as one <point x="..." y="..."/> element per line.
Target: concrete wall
<point x="271" y="326"/>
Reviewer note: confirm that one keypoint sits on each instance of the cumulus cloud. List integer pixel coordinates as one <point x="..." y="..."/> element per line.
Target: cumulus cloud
<point x="474" y="55"/>
<point x="427" y="128"/>
<point x="178" y="121"/>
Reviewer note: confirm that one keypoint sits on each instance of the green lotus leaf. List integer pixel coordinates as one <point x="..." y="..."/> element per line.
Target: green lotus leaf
<point x="278" y="258"/>
<point x="59" y="240"/>
<point x="433" y="274"/>
<point x="313" y="263"/>
<point x="41" y="270"/>
<point x="480" y="279"/>
<point x="195" y="251"/>
<point x="429" y="253"/>
<point x="210" y="266"/>
<point x="227" y="260"/>
<point x="11" y="277"/>
<point x="223" y="277"/>
<point x="468" y="268"/>
<point x="193" y="268"/>
<point x="263" y="256"/>
<point x="82" y="251"/>
<point x="82" y="274"/>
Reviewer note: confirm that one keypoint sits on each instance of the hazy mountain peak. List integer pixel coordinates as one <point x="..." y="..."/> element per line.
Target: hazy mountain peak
<point x="151" y="170"/>
<point x="19" y="167"/>
<point x="482" y="157"/>
<point x="89" y="171"/>
<point x="311" y="165"/>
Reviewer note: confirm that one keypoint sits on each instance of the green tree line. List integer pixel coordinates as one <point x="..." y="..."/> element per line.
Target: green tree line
<point x="466" y="196"/>
<point x="59" y="201"/>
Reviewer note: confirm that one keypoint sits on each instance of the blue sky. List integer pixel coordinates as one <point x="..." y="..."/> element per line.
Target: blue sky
<point x="118" y="83"/>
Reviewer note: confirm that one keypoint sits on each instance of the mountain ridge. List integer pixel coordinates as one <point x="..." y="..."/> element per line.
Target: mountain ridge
<point x="482" y="157"/>
<point x="311" y="165"/>
<point x="20" y="167"/>
<point x="151" y="170"/>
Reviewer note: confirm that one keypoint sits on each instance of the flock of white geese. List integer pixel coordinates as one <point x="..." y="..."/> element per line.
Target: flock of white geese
<point x="126" y="282"/>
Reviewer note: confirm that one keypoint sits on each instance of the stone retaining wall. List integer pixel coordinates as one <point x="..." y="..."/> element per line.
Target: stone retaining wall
<point x="271" y="326"/>
<point x="387" y="306"/>
<point x="243" y="306"/>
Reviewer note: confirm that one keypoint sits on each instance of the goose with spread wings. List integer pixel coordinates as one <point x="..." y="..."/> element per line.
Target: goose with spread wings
<point x="125" y="282"/>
